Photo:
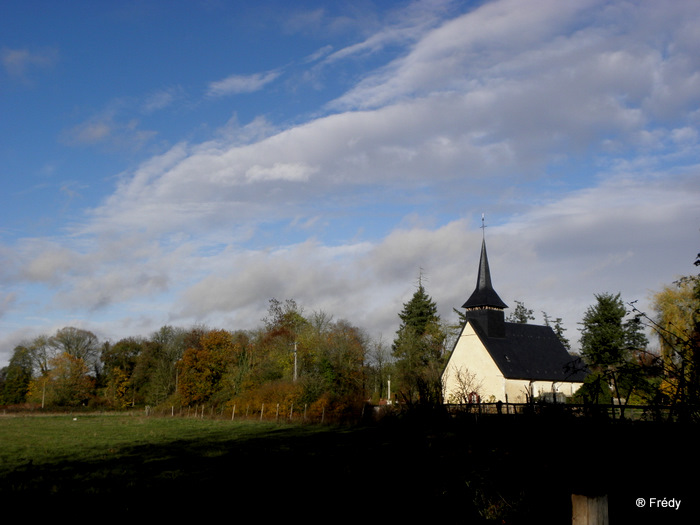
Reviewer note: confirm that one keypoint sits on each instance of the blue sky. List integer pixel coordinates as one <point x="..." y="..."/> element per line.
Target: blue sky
<point x="184" y="162"/>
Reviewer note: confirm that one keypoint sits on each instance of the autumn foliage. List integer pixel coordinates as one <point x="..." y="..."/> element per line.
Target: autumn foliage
<point x="293" y="365"/>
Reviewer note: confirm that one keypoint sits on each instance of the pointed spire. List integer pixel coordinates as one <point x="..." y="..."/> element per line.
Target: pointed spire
<point x="484" y="296"/>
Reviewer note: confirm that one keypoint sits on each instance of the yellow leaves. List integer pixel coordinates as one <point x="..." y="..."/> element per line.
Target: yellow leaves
<point x="66" y="383"/>
<point x="118" y="388"/>
<point x="676" y="313"/>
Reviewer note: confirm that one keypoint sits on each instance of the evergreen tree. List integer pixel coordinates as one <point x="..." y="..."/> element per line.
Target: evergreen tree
<point x="418" y="350"/>
<point x="558" y="330"/>
<point x="16" y="377"/>
<point x="611" y="345"/>
<point x="521" y="314"/>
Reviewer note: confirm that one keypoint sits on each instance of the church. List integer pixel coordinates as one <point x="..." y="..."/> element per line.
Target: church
<point x="493" y="360"/>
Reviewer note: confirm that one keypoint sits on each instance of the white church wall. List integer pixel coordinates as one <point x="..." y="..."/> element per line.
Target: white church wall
<point x="471" y="357"/>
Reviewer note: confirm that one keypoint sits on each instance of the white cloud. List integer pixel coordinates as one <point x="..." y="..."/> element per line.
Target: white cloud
<point x="19" y="62"/>
<point x="109" y="128"/>
<point x="161" y="99"/>
<point x="577" y="137"/>
<point x="237" y="84"/>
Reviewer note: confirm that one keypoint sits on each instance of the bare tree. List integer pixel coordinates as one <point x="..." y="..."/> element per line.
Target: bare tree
<point x="467" y="388"/>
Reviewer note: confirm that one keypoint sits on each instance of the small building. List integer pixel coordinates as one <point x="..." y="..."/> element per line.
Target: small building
<point x="494" y="360"/>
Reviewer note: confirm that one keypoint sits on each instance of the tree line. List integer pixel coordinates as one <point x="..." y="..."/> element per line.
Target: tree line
<point x="311" y="360"/>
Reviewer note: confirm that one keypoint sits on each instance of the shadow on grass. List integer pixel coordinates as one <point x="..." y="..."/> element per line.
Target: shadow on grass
<point x="499" y="470"/>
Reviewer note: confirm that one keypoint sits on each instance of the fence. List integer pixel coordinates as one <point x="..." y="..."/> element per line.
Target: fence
<point x="606" y="411"/>
<point x="285" y="413"/>
<point x="263" y="412"/>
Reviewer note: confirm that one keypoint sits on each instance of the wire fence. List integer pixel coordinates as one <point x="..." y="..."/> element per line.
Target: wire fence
<point x="247" y="412"/>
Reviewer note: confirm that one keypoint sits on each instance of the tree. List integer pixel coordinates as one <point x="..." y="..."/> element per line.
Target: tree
<point x="419" y="313"/>
<point x="154" y="377"/>
<point x="203" y="365"/>
<point x="379" y="369"/>
<point x="419" y="350"/>
<point x="611" y="346"/>
<point x="66" y="384"/>
<point x="123" y="354"/>
<point x="280" y="341"/>
<point x="558" y="330"/>
<point x="17" y="376"/>
<point x="521" y="314"/>
<point x="239" y="368"/>
<point x="467" y="388"/>
<point x="41" y="353"/>
<point x="677" y="325"/>
<point x="284" y="318"/>
<point x="81" y="344"/>
<point x="118" y="363"/>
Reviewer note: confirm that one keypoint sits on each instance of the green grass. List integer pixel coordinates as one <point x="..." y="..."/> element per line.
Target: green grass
<point x="138" y="459"/>
<point x="46" y="440"/>
<point x="277" y="468"/>
<point x="493" y="470"/>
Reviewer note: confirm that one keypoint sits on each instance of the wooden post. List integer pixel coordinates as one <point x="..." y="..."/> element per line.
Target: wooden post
<point x="588" y="510"/>
<point x="233" y="412"/>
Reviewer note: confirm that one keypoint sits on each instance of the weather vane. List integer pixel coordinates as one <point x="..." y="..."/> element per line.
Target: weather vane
<point x="483" y="226"/>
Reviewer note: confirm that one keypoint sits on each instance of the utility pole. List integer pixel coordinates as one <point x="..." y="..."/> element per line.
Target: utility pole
<point x="295" y="361"/>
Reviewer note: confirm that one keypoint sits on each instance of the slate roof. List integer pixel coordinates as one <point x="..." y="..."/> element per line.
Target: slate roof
<point x="532" y="352"/>
<point x="484" y="295"/>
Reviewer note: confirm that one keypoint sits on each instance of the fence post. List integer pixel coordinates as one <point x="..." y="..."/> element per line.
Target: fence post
<point x="262" y="409"/>
<point x="588" y="510"/>
<point x="233" y="412"/>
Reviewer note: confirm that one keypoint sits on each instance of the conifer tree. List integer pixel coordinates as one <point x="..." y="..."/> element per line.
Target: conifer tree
<point x="418" y="350"/>
<point x="16" y="377"/>
<point x="558" y="330"/>
<point x="521" y="314"/>
<point x="609" y="345"/>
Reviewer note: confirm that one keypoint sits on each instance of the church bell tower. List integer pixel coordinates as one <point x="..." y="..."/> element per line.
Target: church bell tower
<point x="484" y="306"/>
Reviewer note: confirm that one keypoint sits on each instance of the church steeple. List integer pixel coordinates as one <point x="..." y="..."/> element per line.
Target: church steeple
<point x="484" y="296"/>
<point x="484" y="306"/>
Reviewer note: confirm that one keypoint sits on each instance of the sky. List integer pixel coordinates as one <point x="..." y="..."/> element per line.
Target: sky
<point x="184" y="162"/>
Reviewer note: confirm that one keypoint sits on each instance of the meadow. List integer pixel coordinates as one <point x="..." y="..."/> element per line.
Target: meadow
<point x="494" y="471"/>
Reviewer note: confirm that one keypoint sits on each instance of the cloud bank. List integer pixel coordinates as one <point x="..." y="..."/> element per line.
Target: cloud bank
<point x="578" y="138"/>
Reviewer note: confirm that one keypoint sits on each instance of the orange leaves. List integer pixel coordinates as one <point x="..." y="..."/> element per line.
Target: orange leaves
<point x="203" y="365"/>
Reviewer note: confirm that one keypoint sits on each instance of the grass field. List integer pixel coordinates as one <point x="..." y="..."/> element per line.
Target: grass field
<point x="132" y="459"/>
<point x="491" y="472"/>
<point x="45" y="440"/>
